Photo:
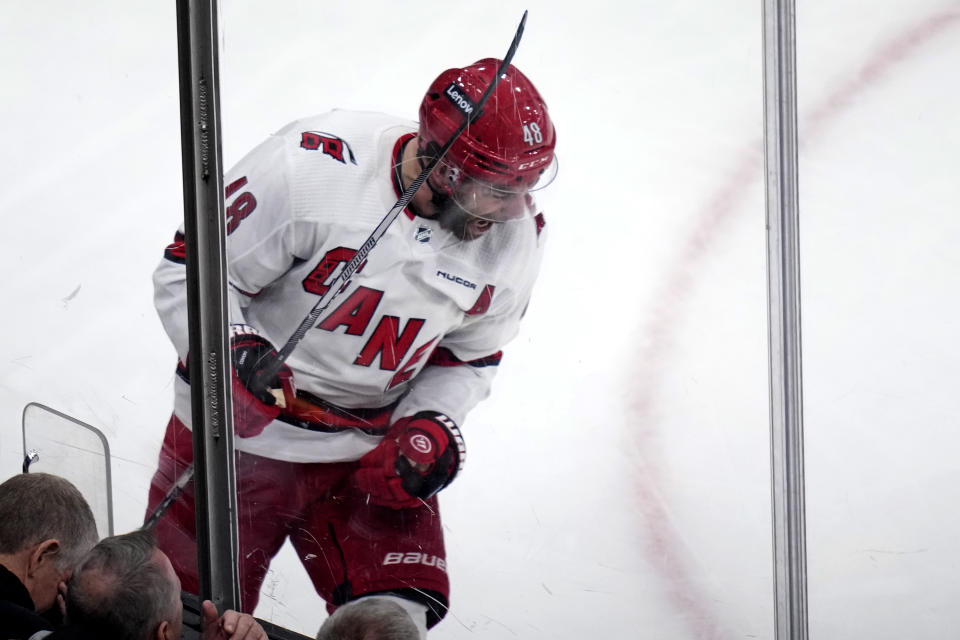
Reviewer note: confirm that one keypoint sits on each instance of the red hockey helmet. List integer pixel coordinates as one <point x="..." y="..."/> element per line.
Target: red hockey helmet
<point x="510" y="145"/>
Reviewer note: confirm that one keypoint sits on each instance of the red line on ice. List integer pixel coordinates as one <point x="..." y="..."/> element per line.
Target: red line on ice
<point x="666" y="550"/>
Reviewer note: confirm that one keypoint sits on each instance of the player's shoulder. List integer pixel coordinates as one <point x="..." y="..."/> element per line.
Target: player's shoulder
<point x="347" y="136"/>
<point x="510" y="253"/>
<point x="340" y="160"/>
<point x="526" y="235"/>
<point x="344" y="118"/>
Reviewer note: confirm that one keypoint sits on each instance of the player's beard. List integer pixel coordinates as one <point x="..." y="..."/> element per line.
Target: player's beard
<point x="458" y="221"/>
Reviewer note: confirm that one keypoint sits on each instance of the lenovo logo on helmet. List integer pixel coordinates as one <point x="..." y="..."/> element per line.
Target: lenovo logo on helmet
<point x="462" y="102"/>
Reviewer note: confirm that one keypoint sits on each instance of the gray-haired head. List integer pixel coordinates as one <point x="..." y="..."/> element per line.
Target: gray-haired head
<point x="121" y="589"/>
<point x="370" y="618"/>
<point x="35" y="507"/>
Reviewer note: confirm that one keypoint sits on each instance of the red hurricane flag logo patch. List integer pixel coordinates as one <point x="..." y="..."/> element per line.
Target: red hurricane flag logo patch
<point x="333" y="146"/>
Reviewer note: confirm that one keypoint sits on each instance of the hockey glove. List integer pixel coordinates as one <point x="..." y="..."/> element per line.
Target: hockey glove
<point x="254" y="409"/>
<point x="418" y="457"/>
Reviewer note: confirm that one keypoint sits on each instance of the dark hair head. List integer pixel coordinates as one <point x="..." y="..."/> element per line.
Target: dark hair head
<point x="39" y="506"/>
<point x="120" y="590"/>
<point x="367" y="619"/>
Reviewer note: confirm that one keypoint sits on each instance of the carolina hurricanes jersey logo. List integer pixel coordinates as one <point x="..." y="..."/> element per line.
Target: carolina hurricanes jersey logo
<point x="333" y="146"/>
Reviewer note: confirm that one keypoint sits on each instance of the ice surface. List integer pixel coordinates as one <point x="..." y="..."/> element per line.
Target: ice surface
<point x="618" y="481"/>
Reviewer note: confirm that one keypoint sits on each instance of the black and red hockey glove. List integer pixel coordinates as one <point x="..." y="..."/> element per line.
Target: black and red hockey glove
<point x="419" y="456"/>
<point x="254" y="409"/>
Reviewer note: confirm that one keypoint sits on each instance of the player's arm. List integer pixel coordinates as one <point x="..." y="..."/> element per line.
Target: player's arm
<point x="424" y="450"/>
<point x="259" y="241"/>
<point x="261" y="247"/>
<point x="460" y="371"/>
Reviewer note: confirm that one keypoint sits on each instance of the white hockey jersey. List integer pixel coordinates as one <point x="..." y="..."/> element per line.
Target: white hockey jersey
<point x="420" y="325"/>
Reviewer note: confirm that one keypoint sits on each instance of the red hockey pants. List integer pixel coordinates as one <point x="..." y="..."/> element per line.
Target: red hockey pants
<point x="348" y="547"/>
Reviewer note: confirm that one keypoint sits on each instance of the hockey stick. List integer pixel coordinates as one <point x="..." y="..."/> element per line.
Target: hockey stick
<point x="303" y="407"/>
<point x="172" y="494"/>
<point x="299" y="407"/>
<point x="261" y="379"/>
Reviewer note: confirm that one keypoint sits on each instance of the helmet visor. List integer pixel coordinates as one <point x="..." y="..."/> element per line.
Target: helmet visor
<point x="492" y="201"/>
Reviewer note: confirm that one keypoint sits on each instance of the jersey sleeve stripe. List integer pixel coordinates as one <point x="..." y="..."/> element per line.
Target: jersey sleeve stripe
<point x="241" y="291"/>
<point x="177" y="250"/>
<point x="443" y="357"/>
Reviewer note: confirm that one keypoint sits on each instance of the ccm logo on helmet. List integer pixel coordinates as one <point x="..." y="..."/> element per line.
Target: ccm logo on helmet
<point x="463" y="103"/>
<point x="532" y="163"/>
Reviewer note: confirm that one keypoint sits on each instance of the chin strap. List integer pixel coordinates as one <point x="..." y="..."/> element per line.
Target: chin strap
<point x="440" y="195"/>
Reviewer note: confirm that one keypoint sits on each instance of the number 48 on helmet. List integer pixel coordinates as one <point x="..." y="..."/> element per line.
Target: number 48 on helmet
<point x="507" y="150"/>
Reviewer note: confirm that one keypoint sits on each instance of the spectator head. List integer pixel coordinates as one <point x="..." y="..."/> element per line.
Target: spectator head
<point x="46" y="526"/>
<point x="371" y="618"/>
<point x="127" y="589"/>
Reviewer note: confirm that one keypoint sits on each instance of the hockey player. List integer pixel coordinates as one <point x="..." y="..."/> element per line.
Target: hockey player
<point x="345" y="456"/>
